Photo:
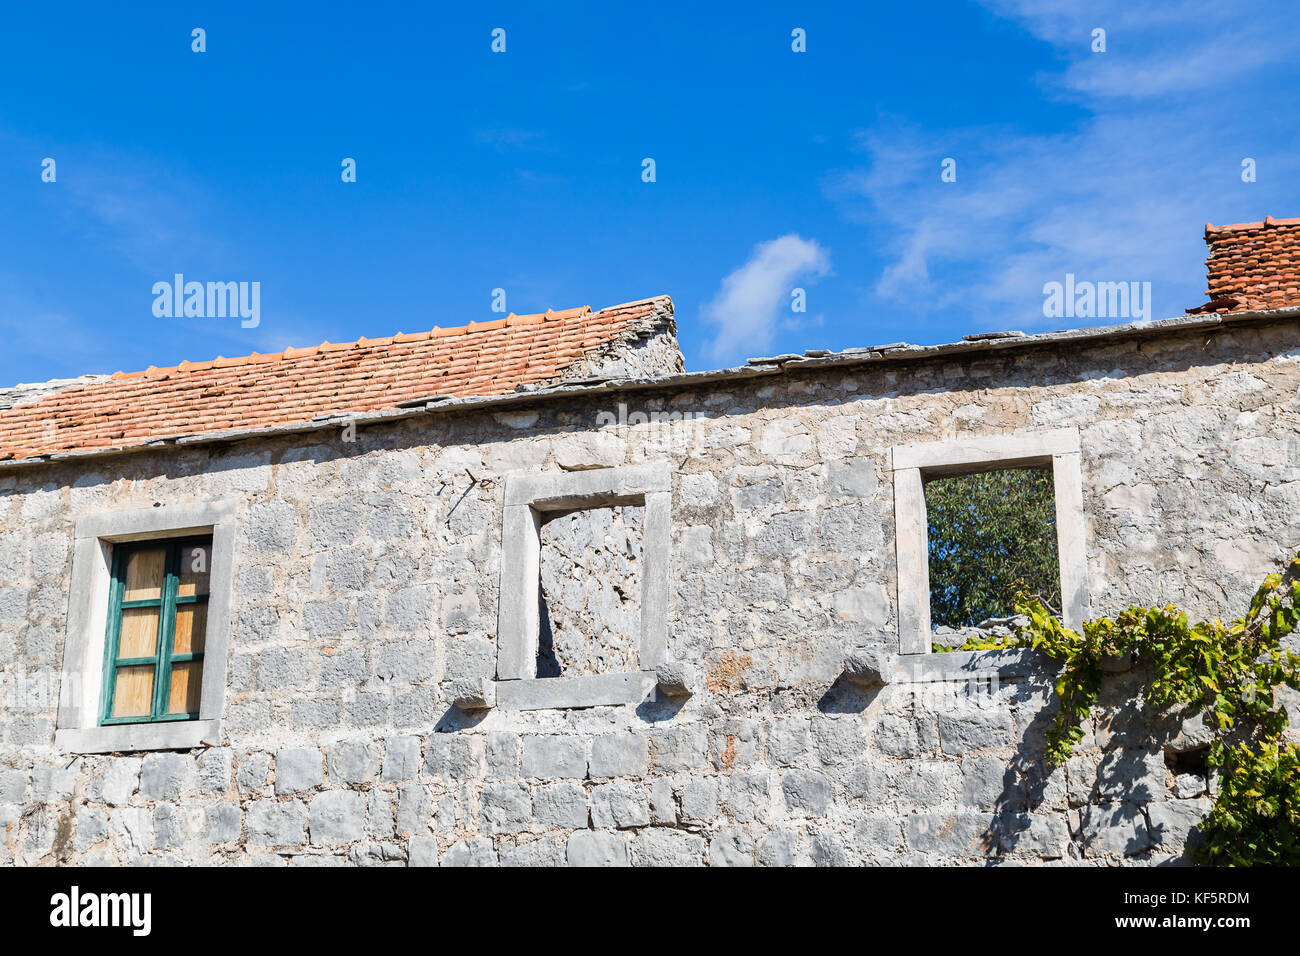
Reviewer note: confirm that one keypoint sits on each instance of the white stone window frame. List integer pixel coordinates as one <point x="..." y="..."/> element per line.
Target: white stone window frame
<point x="78" y="729"/>
<point x="527" y="499"/>
<point x="1058" y="448"/>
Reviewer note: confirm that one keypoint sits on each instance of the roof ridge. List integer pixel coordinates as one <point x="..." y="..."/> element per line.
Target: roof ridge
<point x="471" y="327"/>
<point x="1250" y="226"/>
<point x="653" y="300"/>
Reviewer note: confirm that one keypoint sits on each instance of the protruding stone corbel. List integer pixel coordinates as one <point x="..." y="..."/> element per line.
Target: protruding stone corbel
<point x="474" y="693"/>
<point x="868" y="668"/>
<point x="677" y="678"/>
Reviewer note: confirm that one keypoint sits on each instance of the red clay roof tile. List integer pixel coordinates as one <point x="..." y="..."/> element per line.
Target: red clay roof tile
<point x="1252" y="266"/>
<point x="294" y="386"/>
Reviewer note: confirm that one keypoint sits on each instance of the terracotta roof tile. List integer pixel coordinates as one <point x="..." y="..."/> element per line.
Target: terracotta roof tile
<point x="1253" y="266"/>
<point x="294" y="386"/>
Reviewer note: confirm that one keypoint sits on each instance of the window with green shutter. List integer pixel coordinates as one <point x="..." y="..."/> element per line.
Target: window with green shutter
<point x="157" y="622"/>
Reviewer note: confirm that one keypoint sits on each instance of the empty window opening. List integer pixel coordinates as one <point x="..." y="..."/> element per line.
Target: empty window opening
<point x="590" y="594"/>
<point x="992" y="536"/>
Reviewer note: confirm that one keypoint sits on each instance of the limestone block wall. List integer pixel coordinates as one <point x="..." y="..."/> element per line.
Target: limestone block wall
<point x="589" y="575"/>
<point x="366" y="579"/>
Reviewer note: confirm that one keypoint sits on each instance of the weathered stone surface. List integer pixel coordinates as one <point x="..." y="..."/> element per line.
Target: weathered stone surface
<point x="731" y="847"/>
<point x="540" y="852"/>
<point x="896" y="735"/>
<point x="377" y="854"/>
<point x="507" y="807"/>
<point x="254" y="772"/>
<point x="677" y="678"/>
<point x="176" y="826"/>
<point x="502" y="755"/>
<point x="338" y="816"/>
<point x="402" y="758"/>
<point x="353" y="761"/>
<point x="554" y="756"/>
<point x="381" y="821"/>
<point x="422" y="851"/>
<point x="223" y="823"/>
<point x="13" y="786"/>
<point x="989" y="782"/>
<point x="561" y="805"/>
<point x="166" y="776"/>
<point x="596" y="848"/>
<point x="1188" y="785"/>
<point x="663" y="805"/>
<point x="1174" y="823"/>
<point x="474" y="852"/>
<point x="214" y="767"/>
<point x="777" y="849"/>
<point x="1133" y="774"/>
<point x="590" y="577"/>
<point x="958" y="834"/>
<point x="663" y="847"/>
<point x="414" y="809"/>
<point x="700" y="798"/>
<point x="618" y="755"/>
<point x="450" y="756"/>
<point x="968" y="729"/>
<point x="272" y="823"/>
<point x="868" y="668"/>
<point x="118" y="782"/>
<point x="473" y="693"/>
<point x="1041" y="836"/>
<point x="878" y="836"/>
<point x="618" y="805"/>
<point x="298" y="768"/>
<point x="838" y="741"/>
<point x="1114" y="829"/>
<point x="806" y="791"/>
<point x="90" y="827"/>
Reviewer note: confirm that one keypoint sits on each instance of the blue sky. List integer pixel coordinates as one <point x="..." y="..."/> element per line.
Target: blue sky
<point x="523" y="170"/>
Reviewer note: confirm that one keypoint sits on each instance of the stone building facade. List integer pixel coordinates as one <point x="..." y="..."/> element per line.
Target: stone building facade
<point x="603" y="616"/>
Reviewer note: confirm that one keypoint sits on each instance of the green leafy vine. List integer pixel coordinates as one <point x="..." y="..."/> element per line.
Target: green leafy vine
<point x="1228" y="672"/>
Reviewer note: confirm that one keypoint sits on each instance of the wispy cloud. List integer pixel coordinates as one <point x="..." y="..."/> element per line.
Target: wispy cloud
<point x="508" y="138"/>
<point x="129" y="221"/>
<point x="39" y="335"/>
<point x="1120" y="197"/>
<point x="140" y="213"/>
<point x="1169" y="49"/>
<point x="747" y="308"/>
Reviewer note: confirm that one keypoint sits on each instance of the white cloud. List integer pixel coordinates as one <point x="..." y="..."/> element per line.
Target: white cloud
<point x="38" y="334"/>
<point x="1122" y="195"/>
<point x="1166" y="49"/>
<point x="506" y="138"/>
<point x="748" y="306"/>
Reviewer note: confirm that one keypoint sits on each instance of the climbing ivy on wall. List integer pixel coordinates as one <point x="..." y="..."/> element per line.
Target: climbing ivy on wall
<point x="1228" y="672"/>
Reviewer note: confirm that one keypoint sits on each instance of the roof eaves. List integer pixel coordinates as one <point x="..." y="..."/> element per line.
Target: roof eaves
<point x="756" y="368"/>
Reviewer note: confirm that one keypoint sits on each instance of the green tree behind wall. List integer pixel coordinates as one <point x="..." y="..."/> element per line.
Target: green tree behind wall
<point x="991" y="534"/>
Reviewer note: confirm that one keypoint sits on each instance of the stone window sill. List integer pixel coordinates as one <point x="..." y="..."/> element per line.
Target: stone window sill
<point x="589" y="690"/>
<point x="970" y="665"/>
<point x="122" y="738"/>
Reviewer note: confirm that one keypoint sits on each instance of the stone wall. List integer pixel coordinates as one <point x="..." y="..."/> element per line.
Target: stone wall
<point x="591" y="591"/>
<point x="366" y="580"/>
